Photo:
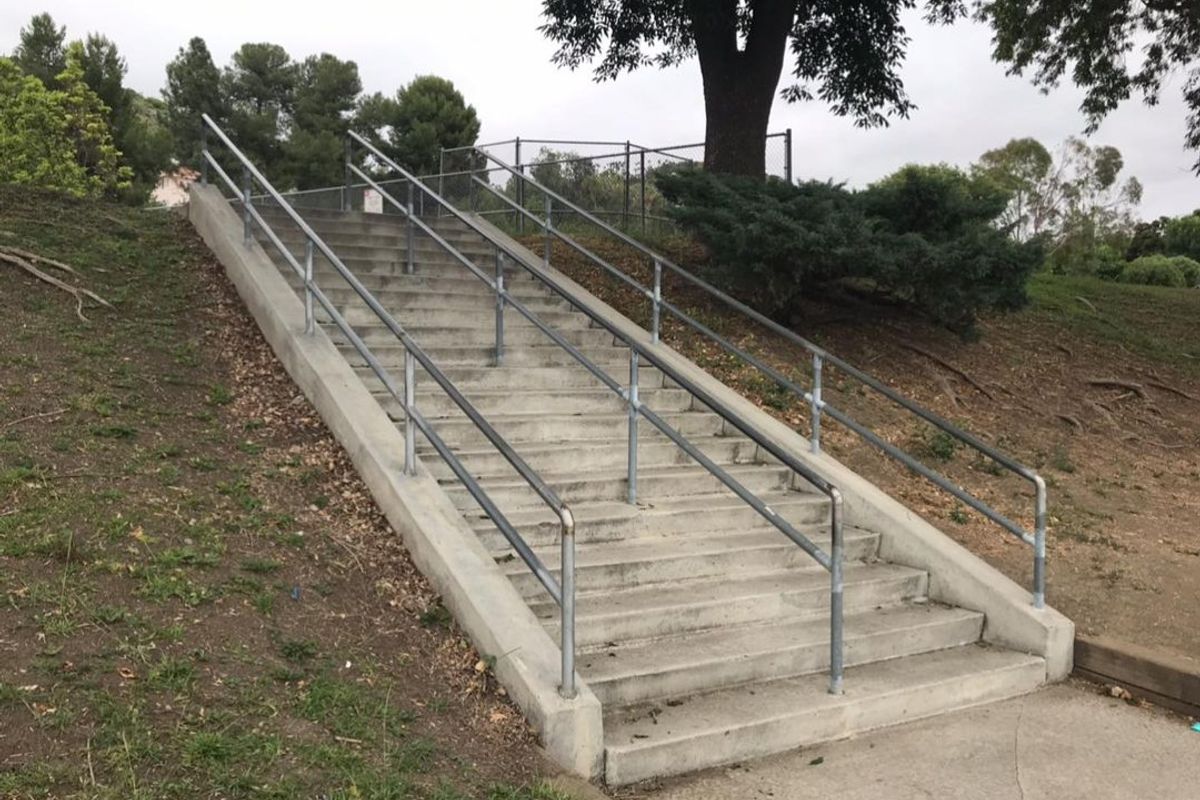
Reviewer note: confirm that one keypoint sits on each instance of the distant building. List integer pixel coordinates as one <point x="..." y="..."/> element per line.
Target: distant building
<point x="172" y="188"/>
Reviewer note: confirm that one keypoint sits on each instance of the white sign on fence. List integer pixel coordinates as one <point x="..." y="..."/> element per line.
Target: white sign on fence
<point x="372" y="202"/>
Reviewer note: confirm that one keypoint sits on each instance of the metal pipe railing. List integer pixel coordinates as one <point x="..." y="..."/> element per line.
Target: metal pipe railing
<point x="821" y="357"/>
<point x="831" y="561"/>
<point x="563" y="590"/>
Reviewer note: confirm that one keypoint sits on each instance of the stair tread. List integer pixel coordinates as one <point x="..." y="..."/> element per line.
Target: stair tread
<point x="507" y="479"/>
<point x="665" y="598"/>
<point x="614" y="661"/>
<point x="631" y="728"/>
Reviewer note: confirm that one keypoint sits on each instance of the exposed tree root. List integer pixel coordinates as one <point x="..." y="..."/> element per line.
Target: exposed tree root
<point x="25" y="261"/>
<point x="947" y="365"/>
<point x="1072" y="421"/>
<point x="1115" y="383"/>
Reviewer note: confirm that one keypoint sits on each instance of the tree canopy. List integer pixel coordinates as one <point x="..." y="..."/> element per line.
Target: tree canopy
<point x="849" y="54"/>
<point x="42" y="50"/>
<point x="425" y="116"/>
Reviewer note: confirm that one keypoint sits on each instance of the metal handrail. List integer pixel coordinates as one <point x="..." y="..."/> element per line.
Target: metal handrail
<point x="562" y="591"/>
<point x="832" y="561"/>
<point x="817" y="405"/>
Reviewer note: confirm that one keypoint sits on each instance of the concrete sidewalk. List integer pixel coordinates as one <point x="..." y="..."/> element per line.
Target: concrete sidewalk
<point x="1056" y="744"/>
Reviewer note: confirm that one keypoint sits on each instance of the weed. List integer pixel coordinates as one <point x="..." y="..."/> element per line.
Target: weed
<point x="173" y="674"/>
<point x="298" y="651"/>
<point x="260" y="566"/>
<point x="219" y="395"/>
<point x="1061" y="461"/>
<point x="936" y="445"/>
<point x="436" y="616"/>
<point x="114" y="432"/>
<point x="958" y="515"/>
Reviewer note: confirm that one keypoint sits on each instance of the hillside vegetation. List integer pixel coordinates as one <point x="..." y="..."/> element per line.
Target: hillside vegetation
<point x="200" y="600"/>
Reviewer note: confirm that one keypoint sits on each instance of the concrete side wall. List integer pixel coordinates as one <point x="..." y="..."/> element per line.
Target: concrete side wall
<point x="957" y="576"/>
<point x="443" y="547"/>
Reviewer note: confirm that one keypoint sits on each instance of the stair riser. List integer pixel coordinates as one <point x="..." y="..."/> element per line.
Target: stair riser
<point x="809" y="601"/>
<point x="422" y="281"/>
<point x="641" y="573"/>
<point x="505" y="378"/>
<point x="789" y="660"/>
<point x="379" y="238"/>
<point x="765" y="479"/>
<point x="447" y="334"/>
<point x="529" y="429"/>
<point x="481" y="304"/>
<point x="483" y="323"/>
<point x="688" y="522"/>
<point x="806" y="727"/>
<point x="434" y="403"/>
<point x="429" y="266"/>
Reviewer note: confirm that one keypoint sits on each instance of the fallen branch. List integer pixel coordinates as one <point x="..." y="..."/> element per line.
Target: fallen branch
<point x="947" y="365"/>
<point x="77" y="292"/>
<point x="35" y="258"/>
<point x="1166" y="387"/>
<point x="947" y="389"/>
<point x="1072" y="421"/>
<point x="1087" y="303"/>
<point x="33" y="417"/>
<point x="1133" y="437"/>
<point x="1065" y="349"/>
<point x="1115" y="383"/>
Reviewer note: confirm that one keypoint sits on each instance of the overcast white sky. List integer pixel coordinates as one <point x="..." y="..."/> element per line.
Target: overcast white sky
<point x="495" y="55"/>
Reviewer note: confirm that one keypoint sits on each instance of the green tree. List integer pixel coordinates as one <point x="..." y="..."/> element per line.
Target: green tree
<point x="193" y="88"/>
<point x="1024" y="169"/>
<point x="326" y="95"/>
<point x="41" y="51"/>
<point x="56" y="138"/>
<point x="1181" y="237"/>
<point x="426" y="115"/>
<point x="1092" y="42"/>
<point x="104" y="71"/>
<point x="259" y="85"/>
<point x="1092" y="205"/>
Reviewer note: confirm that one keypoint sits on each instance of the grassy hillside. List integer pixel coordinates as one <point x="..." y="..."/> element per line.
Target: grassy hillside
<point x="200" y="600"/>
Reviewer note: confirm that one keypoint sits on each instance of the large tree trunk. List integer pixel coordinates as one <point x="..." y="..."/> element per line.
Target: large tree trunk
<point x="739" y="82"/>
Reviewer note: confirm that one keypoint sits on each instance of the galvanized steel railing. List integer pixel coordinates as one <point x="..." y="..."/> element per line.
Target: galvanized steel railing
<point x="831" y="561"/>
<point x="820" y="357"/>
<point x="562" y="591"/>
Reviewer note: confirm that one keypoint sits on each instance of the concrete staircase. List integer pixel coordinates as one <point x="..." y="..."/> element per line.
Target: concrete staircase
<point x="703" y="631"/>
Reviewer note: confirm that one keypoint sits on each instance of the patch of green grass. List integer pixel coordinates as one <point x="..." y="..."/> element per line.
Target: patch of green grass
<point x="114" y="432"/>
<point x="173" y="674"/>
<point x="934" y="445"/>
<point x="219" y="395"/>
<point x="298" y="650"/>
<point x="260" y="566"/>
<point x="436" y="616"/>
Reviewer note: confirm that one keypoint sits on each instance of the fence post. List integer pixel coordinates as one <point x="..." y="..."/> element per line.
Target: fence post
<point x="815" y="403"/>
<point x="520" y="188"/>
<point x="549" y="230"/>
<point x="567" y="587"/>
<point x="787" y="155"/>
<point x="625" y="215"/>
<point x="409" y="266"/>
<point x="631" y="478"/>
<point x="1039" y="544"/>
<point x="246" y="221"/>
<point x="643" y="188"/>
<point x="309" y="322"/>
<point x="349" y="175"/>
<point x="836" y="588"/>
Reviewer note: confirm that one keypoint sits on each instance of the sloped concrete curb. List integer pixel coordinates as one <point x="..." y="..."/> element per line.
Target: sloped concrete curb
<point x="444" y="548"/>
<point x="957" y="576"/>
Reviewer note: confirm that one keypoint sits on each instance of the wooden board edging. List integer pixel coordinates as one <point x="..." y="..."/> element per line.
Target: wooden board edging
<point x="1164" y="679"/>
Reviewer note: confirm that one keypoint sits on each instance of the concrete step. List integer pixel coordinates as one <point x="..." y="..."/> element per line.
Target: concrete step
<point x="341" y="294"/>
<point x="683" y="665"/>
<point x="357" y="248"/>
<point x="338" y="236"/>
<point x="356" y="313"/>
<point x="645" y="562"/>
<point x="604" y="454"/>
<point x="649" y="612"/>
<point x="654" y="740"/>
<point x="618" y="521"/>
<point x="510" y="491"/>
<point x="417" y="283"/>
<point x="468" y="332"/>
<point x="524" y="379"/>
<point x="612" y="359"/>
<point x="432" y="402"/>
<point x="522" y="429"/>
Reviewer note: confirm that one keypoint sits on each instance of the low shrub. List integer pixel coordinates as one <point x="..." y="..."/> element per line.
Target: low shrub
<point x="1154" y="271"/>
<point x="923" y="236"/>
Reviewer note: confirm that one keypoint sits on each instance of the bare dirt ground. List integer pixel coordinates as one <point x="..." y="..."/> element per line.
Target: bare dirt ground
<point x="200" y="598"/>
<point x="1096" y="385"/>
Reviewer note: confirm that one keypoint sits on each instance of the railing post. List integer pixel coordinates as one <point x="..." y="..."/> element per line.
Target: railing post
<point x="836" y="581"/>
<point x="410" y="402"/>
<point x="633" y="426"/>
<point x="1039" y="544"/>
<point x="247" y="222"/>
<point x="656" y="301"/>
<point x="203" y="154"/>
<point x="310" y="325"/>
<point x="409" y="266"/>
<point x="787" y="155"/>
<point x="642" y="170"/>
<point x="549" y="230"/>
<point x="815" y="403"/>
<point x="567" y="587"/>
<point x="625" y="216"/>
<point x="348" y="176"/>
<point x="499" y="308"/>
